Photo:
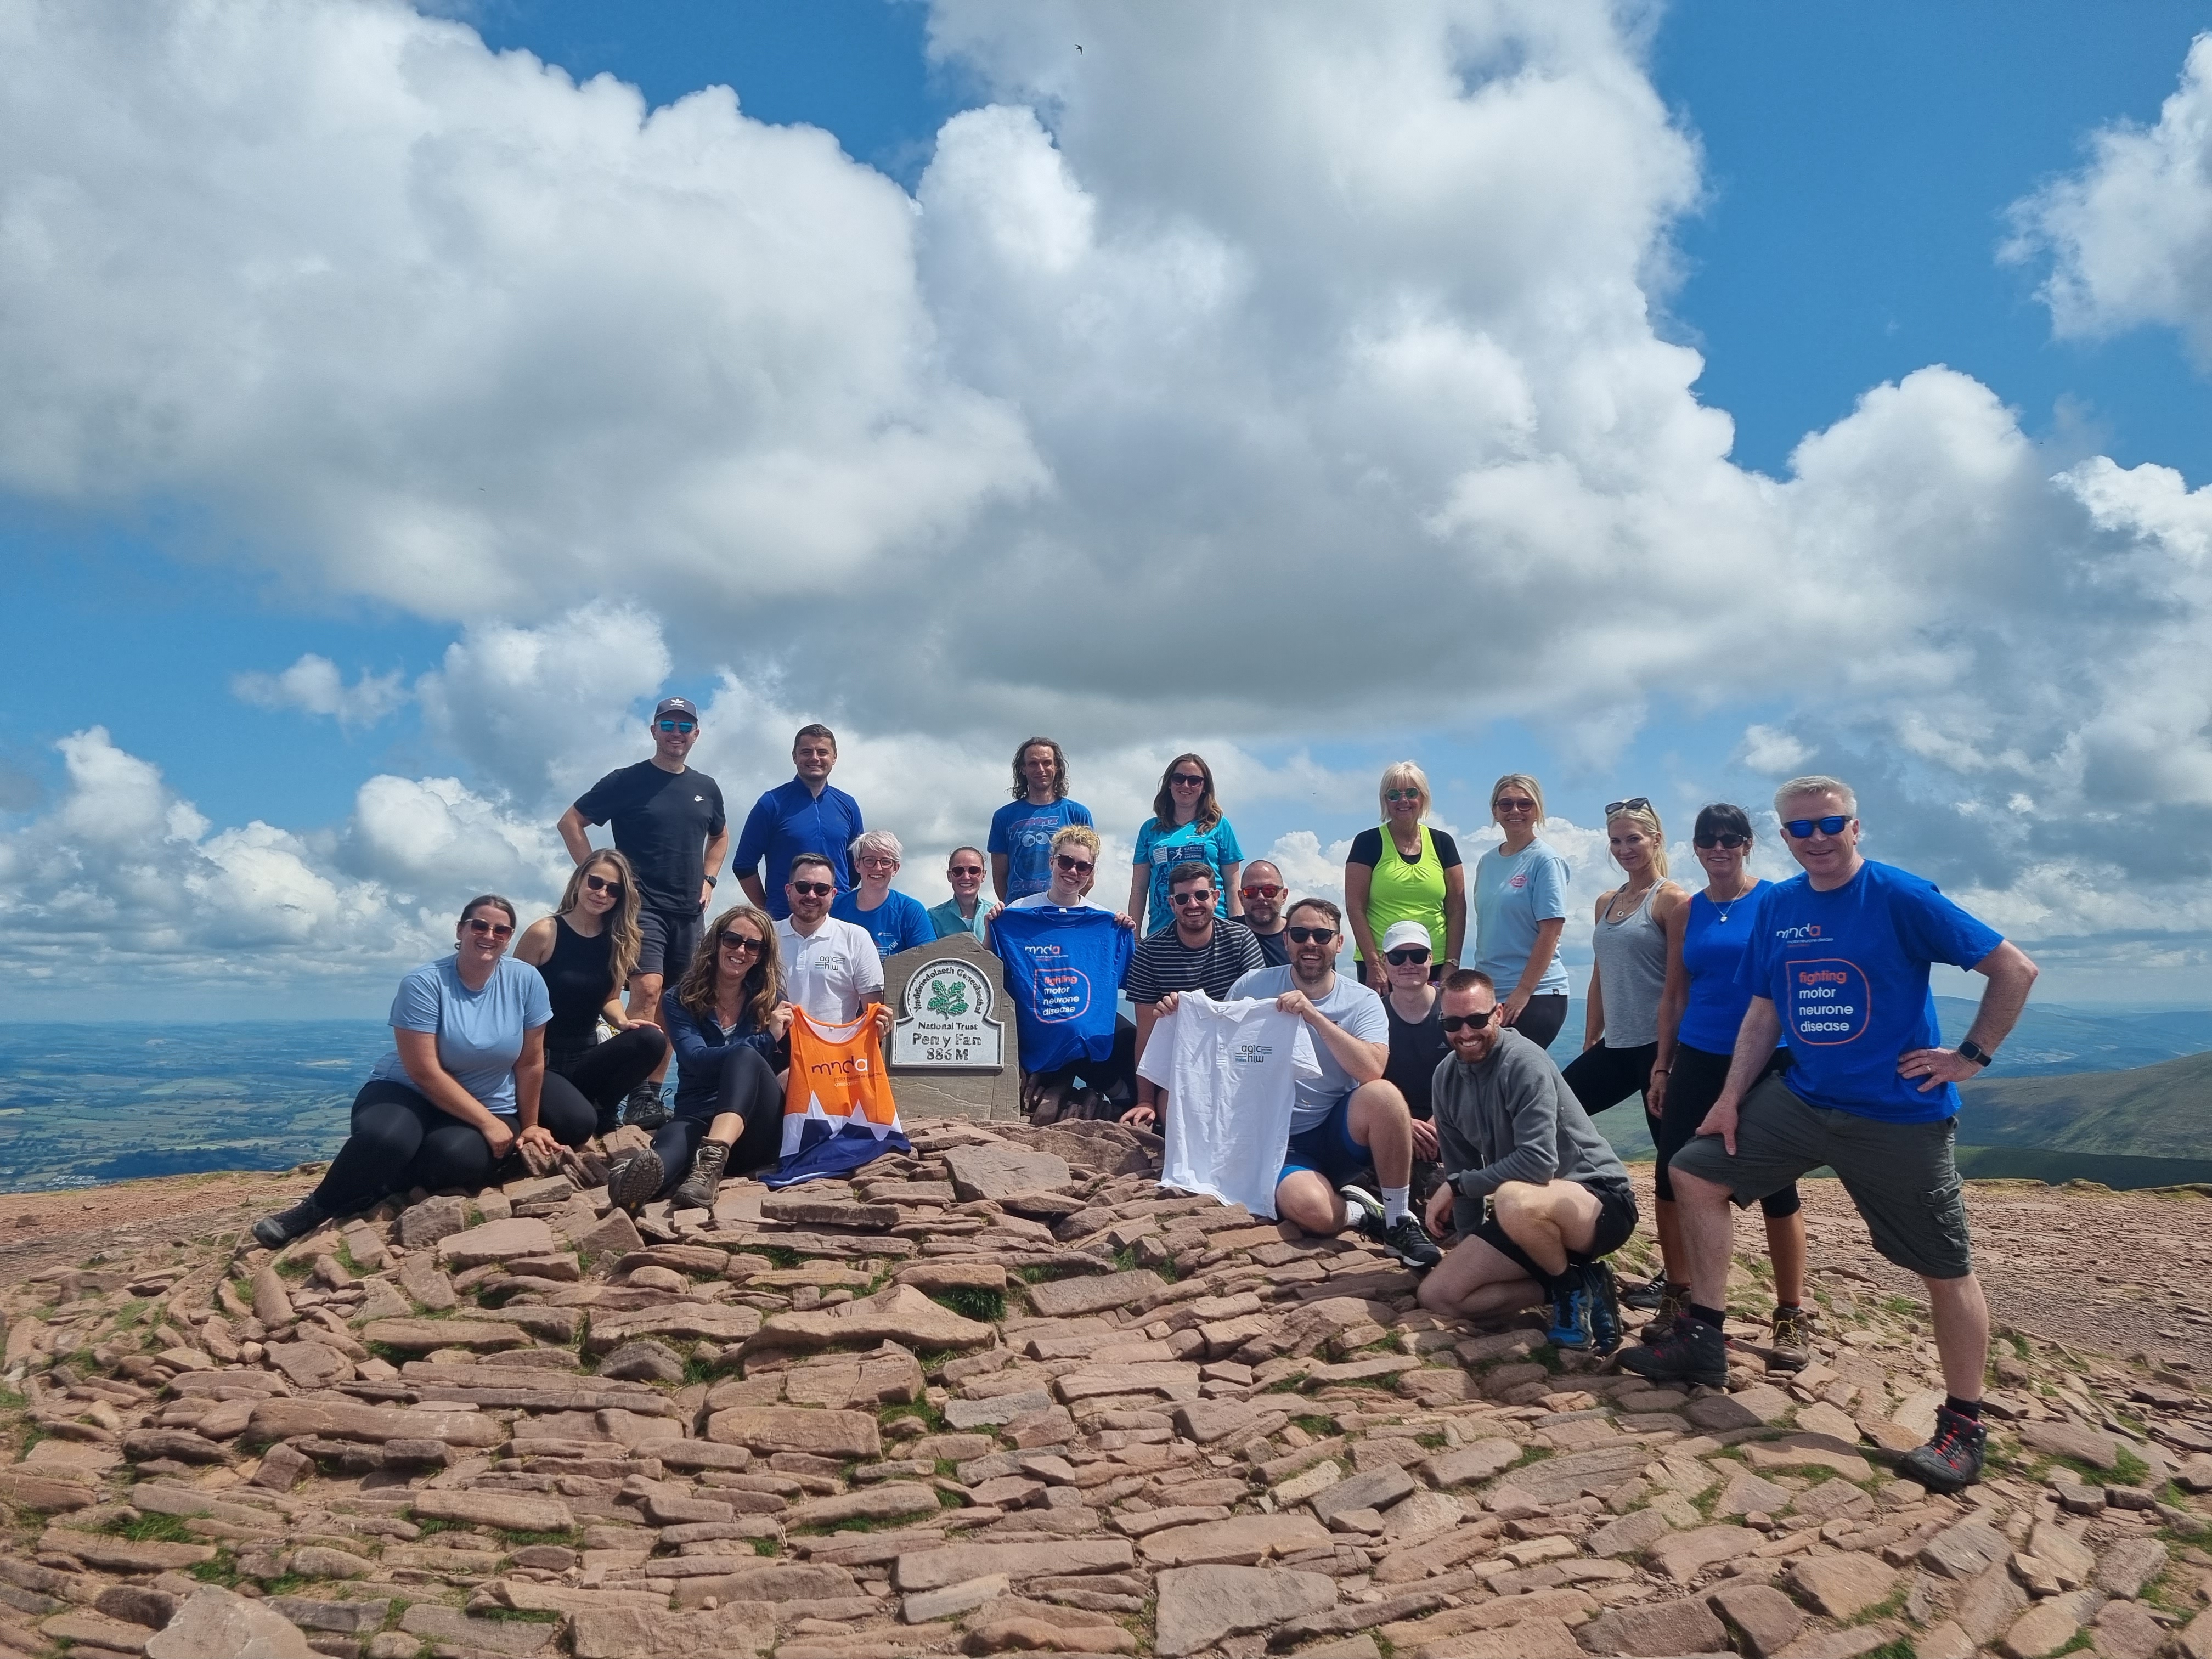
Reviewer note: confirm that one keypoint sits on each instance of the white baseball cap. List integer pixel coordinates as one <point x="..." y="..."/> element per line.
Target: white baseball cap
<point x="1402" y="934"/>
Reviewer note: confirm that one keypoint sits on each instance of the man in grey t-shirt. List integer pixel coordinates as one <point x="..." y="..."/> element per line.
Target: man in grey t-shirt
<point x="1511" y="1131"/>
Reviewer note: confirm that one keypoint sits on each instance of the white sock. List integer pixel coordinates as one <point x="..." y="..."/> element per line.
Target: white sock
<point x="1394" y="1204"/>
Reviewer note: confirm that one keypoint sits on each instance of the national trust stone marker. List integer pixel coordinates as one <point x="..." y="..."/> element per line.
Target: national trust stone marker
<point x="952" y="1047"/>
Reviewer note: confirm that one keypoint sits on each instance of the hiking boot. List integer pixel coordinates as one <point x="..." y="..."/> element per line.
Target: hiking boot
<point x="1953" y="1460"/>
<point x="1673" y="1303"/>
<point x="636" y="1181"/>
<point x="1791" y="1350"/>
<point x="644" y="1109"/>
<point x="1571" y="1310"/>
<point x="1691" y="1351"/>
<point x="1604" y="1307"/>
<point x="276" y="1232"/>
<point x="1407" y="1239"/>
<point x="705" y="1181"/>
<point x="1647" y="1295"/>
<point x="1366" y="1213"/>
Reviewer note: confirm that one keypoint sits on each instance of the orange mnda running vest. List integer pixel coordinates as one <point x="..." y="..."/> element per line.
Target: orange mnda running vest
<point x="838" y="1113"/>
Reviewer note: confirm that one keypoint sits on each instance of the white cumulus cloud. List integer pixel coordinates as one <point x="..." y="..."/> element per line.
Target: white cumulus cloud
<point x="315" y="685"/>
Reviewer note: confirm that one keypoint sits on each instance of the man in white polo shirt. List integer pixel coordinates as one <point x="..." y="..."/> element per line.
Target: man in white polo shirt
<point x="830" y="968"/>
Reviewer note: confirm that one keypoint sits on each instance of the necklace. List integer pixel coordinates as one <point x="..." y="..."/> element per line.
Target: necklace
<point x="1733" y="900"/>
<point x="1627" y="892"/>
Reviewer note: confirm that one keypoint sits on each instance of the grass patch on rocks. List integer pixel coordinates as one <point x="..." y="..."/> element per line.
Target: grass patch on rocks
<point x="972" y="1303"/>
<point x="151" y="1529"/>
<point x="223" y="1571"/>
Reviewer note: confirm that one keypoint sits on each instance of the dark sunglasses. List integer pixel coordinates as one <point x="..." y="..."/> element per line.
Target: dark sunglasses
<point x="1190" y="780"/>
<point x="1798" y="829"/>
<point x="679" y="725"/>
<point x="813" y="889"/>
<point x="1310" y="935"/>
<point x="1633" y="803"/>
<point x="1407" y="956"/>
<point x="1473" y="1022"/>
<point x="1511" y="805"/>
<point x="1201" y="896"/>
<point x="1731" y="841"/>
<point x="965" y="870"/>
<point x="1401" y="795"/>
<point x="601" y="885"/>
<point x="1262" y="892"/>
<point x="496" y="929"/>
<point x="1073" y="867"/>
<point x="739" y="942"/>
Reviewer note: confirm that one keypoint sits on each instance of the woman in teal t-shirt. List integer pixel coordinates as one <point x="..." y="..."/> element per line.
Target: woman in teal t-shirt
<point x="1186" y="827"/>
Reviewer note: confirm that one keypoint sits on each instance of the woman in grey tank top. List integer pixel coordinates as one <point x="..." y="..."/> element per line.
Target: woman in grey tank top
<point x="1621" y="1037"/>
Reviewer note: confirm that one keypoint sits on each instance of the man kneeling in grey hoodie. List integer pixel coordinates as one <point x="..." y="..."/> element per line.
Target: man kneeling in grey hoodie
<point x="1511" y="1130"/>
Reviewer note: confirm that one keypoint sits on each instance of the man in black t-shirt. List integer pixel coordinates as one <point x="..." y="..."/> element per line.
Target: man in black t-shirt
<point x="669" y="824"/>
<point x="1200" y="952"/>
<point x="1266" y="900"/>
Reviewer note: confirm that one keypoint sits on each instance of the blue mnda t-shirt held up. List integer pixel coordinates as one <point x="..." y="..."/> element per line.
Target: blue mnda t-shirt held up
<point x="1848" y="972"/>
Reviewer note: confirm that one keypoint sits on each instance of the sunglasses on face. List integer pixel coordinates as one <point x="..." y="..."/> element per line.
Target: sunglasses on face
<point x="739" y="942"/>
<point x="1197" y="895"/>
<point x="1474" y="1022"/>
<point x="1262" y="892"/>
<point x="1401" y="795"/>
<point x="1311" y="935"/>
<point x="1798" y="829"/>
<point x="1186" y="780"/>
<point x="496" y="929"/>
<point x="1514" y="806"/>
<point x="601" y="885"/>
<point x="1072" y="866"/>
<point x="679" y="725"/>
<point x="975" y="870"/>
<point x="813" y="889"/>
<point x="1633" y="803"/>
<point x="1407" y="956"/>
<point x="1730" y="841"/>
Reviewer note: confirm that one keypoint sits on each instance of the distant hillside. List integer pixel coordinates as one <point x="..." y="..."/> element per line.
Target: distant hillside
<point x="2153" y="1111"/>
<point x="2052" y="1038"/>
<point x="2054" y="1168"/>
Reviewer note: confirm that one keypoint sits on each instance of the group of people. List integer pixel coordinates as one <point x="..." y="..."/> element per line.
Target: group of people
<point x="1768" y="1029"/>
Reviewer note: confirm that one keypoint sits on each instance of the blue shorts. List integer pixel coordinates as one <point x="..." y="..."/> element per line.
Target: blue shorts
<point x="1327" y="1148"/>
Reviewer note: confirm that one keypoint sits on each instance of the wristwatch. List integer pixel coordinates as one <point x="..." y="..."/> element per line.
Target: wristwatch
<point x="1974" y="1051"/>
<point x="713" y="881"/>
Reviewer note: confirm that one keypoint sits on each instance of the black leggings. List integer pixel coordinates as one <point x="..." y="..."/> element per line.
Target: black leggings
<point x="1543" y="1017"/>
<point x="605" y="1073"/>
<point x="1603" y="1078"/>
<point x="1691" y="1088"/>
<point x="1116" y="1074"/>
<point x="746" y="1087"/>
<point x="400" y="1140"/>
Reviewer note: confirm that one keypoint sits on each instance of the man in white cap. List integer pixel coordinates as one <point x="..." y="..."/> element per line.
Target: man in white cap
<point x="669" y="824"/>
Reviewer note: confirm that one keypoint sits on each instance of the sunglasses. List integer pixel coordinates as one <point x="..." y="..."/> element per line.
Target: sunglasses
<point x="1407" y="956"/>
<point x="1513" y="807"/>
<point x="1310" y="935"/>
<point x="1473" y="1022"/>
<point x="1633" y="803"/>
<point x="1201" y="896"/>
<point x="679" y="725"/>
<point x="813" y="889"/>
<point x="740" y="942"/>
<point x="965" y="870"/>
<point x="1188" y="780"/>
<point x="1262" y="892"/>
<point x="601" y="885"/>
<point x="496" y="929"/>
<point x="1073" y="867"/>
<point x="1798" y="829"/>
<point x="1730" y="841"/>
<point x="1401" y="795"/>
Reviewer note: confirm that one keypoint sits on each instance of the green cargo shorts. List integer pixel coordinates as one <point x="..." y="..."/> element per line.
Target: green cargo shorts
<point x="1902" y="1176"/>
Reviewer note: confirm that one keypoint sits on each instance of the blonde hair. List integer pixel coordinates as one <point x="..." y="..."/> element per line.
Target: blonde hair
<point x="878" y="840"/>
<point x="1523" y="780"/>
<point x="763" y="980"/>
<point x="1817" y="785"/>
<point x="1078" y="835"/>
<point x="624" y="942"/>
<point x="1397" y="775"/>
<point x="1646" y="818"/>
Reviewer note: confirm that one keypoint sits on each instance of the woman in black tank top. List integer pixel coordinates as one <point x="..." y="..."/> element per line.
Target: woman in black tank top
<point x="586" y="951"/>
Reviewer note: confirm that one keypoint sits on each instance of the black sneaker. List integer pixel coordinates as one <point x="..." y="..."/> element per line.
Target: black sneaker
<point x="1407" y="1239"/>
<point x="644" y="1109"/>
<point x="1694" y="1351"/>
<point x="1952" y="1461"/>
<point x="276" y="1232"/>
<point x="1604" y="1307"/>
<point x="636" y="1181"/>
<point x="1366" y="1213"/>
<point x="1645" y="1298"/>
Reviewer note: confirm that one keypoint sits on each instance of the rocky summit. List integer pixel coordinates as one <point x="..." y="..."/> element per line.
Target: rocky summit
<point x="1005" y="1395"/>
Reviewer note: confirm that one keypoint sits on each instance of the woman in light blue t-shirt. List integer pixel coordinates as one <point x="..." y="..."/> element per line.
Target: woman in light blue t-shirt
<point x="1187" y="826"/>
<point x="465" y="1086"/>
<point x="1519" y="911"/>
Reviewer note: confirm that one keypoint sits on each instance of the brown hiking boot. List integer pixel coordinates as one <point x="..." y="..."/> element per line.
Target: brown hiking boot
<point x="1791" y="1350"/>
<point x="705" y="1181"/>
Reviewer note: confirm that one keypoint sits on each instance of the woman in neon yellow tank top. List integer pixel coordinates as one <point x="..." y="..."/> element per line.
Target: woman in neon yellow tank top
<point x="1404" y="871"/>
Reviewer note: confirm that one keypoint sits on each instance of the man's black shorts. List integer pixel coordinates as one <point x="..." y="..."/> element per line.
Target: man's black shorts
<point x="670" y="939"/>
<point x="1616" y="1224"/>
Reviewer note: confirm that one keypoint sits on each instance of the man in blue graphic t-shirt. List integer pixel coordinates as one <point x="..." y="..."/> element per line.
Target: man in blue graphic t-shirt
<point x="1020" y="841"/>
<point x="1838" y="969"/>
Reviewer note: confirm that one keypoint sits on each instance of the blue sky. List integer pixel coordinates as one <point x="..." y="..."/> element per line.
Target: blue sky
<point x="1845" y="185"/>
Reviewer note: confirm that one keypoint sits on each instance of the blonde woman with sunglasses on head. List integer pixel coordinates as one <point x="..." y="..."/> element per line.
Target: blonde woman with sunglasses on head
<point x="587" y="950"/>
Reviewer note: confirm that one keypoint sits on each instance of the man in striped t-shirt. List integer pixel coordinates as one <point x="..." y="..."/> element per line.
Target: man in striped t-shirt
<point x="1201" y="952"/>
